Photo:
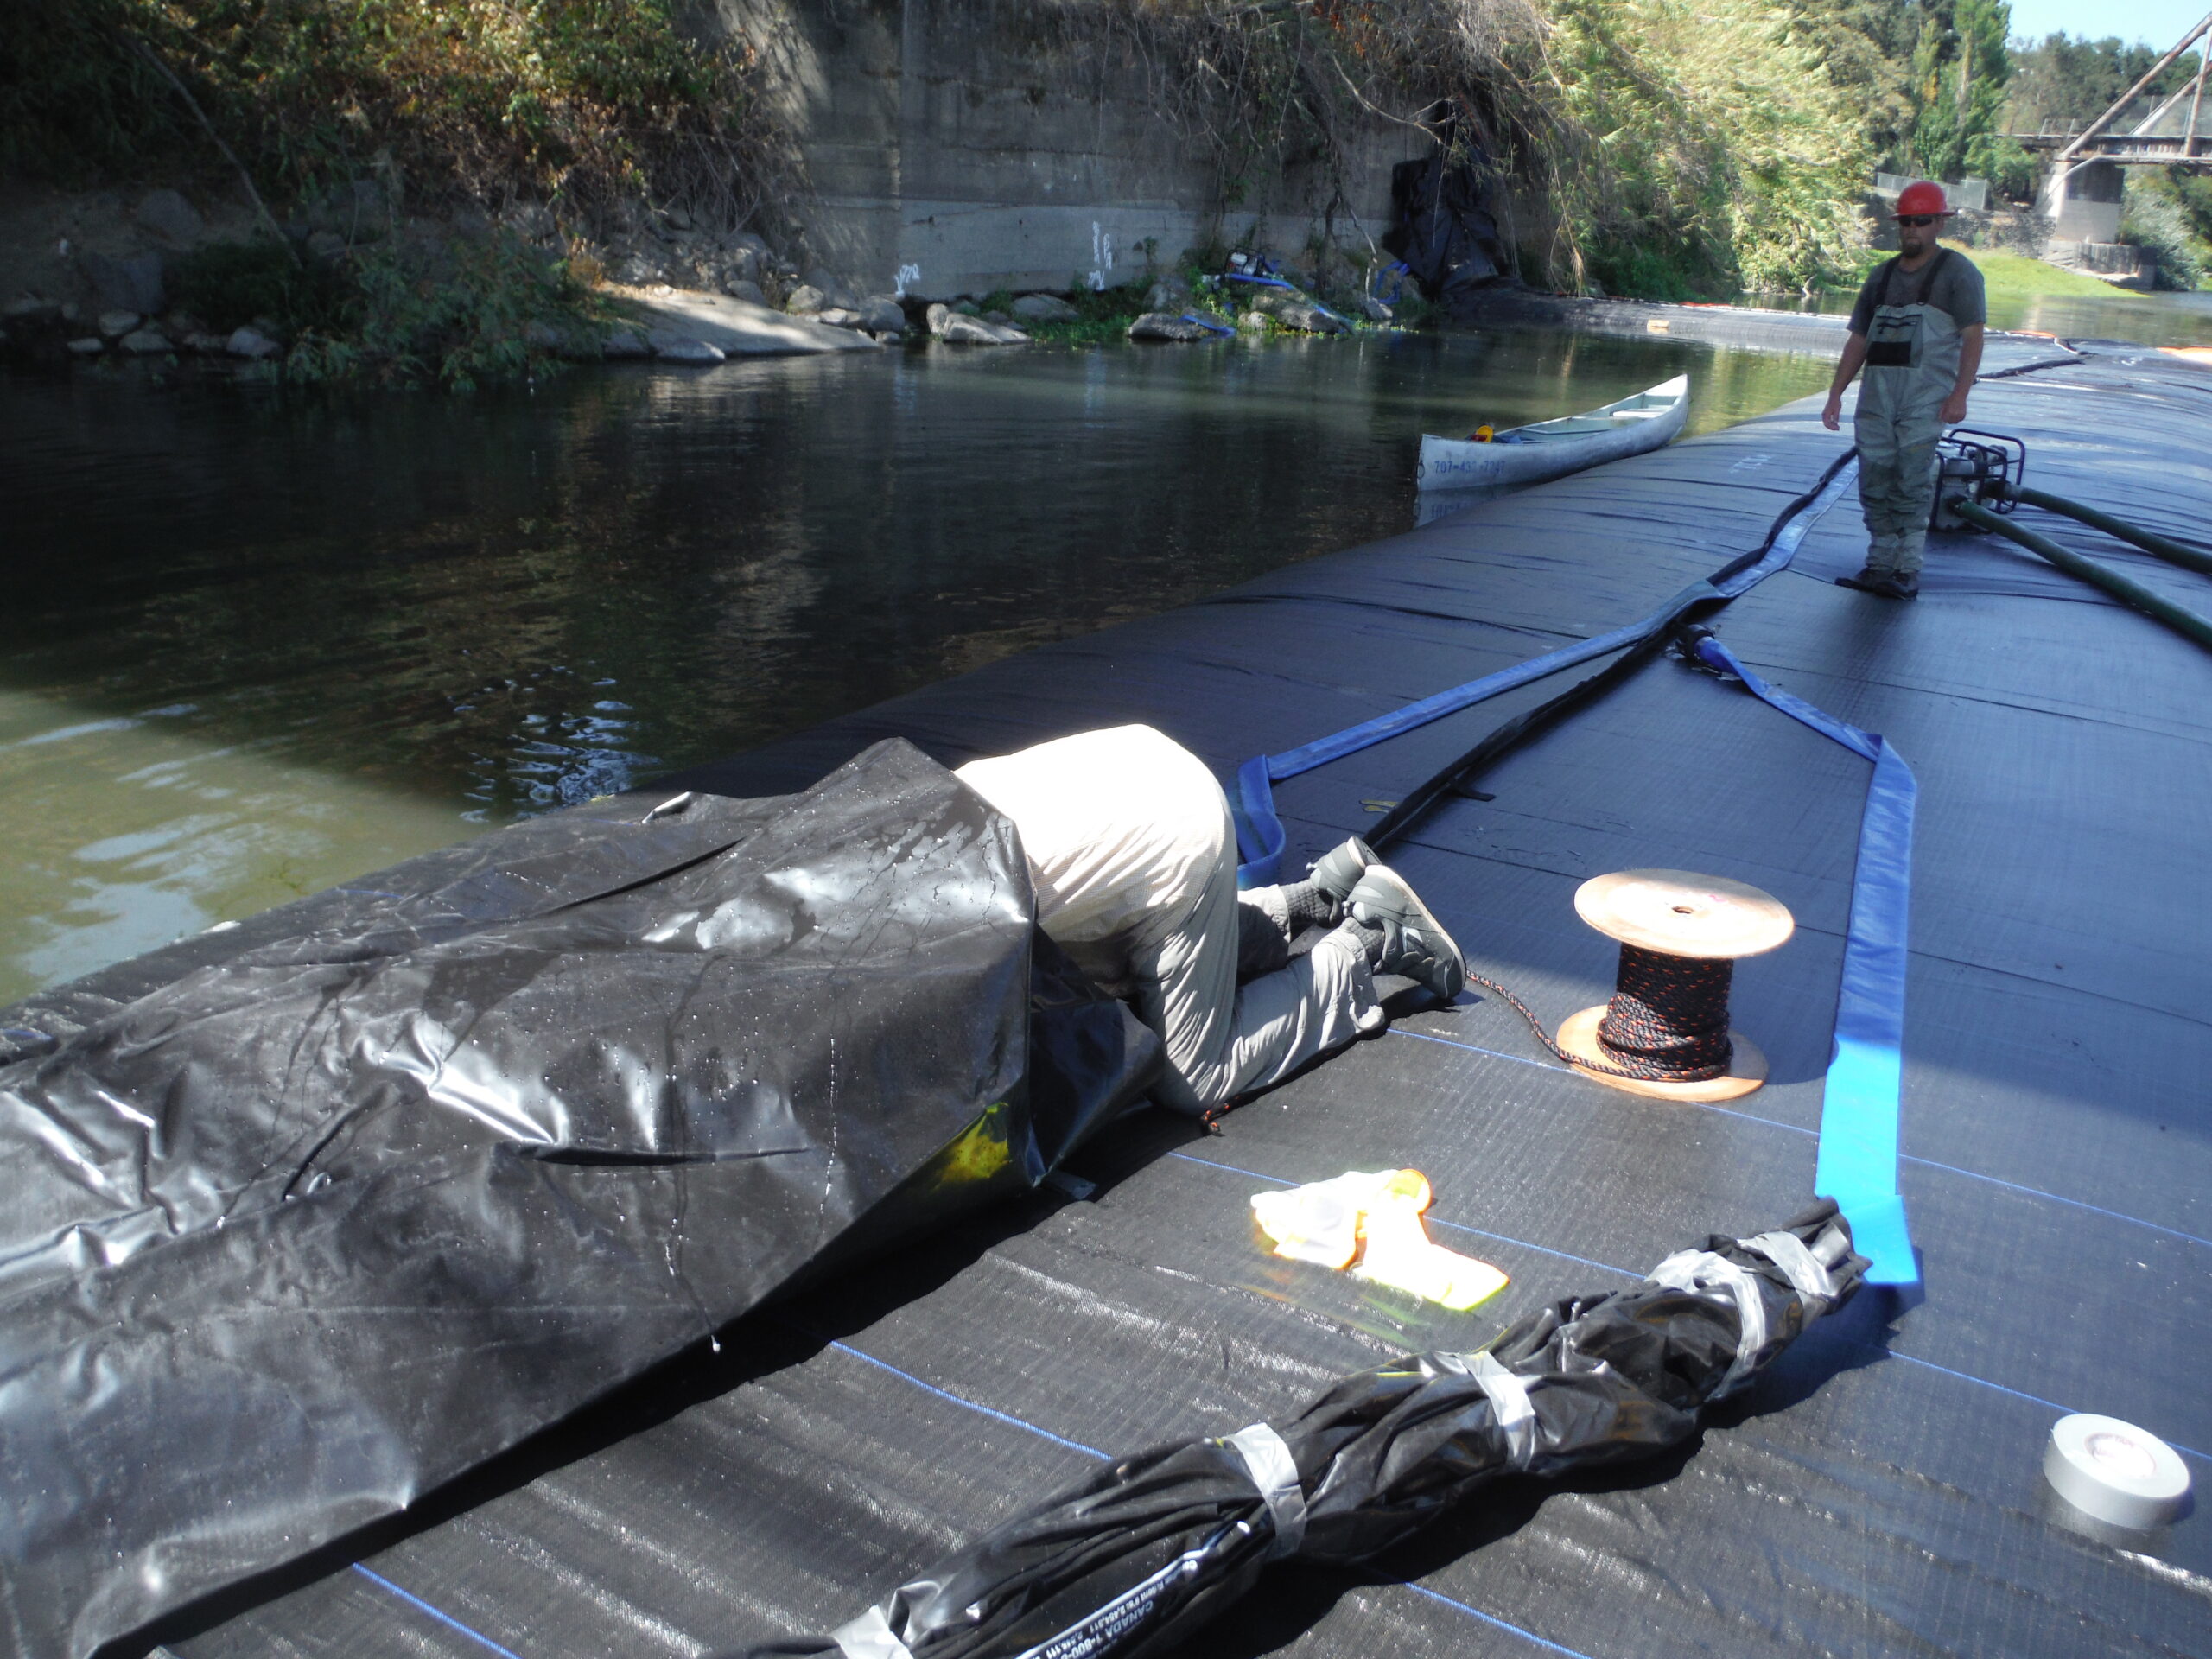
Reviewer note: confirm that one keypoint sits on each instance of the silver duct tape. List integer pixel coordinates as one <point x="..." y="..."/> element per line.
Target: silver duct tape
<point x="1510" y="1404"/>
<point x="1788" y="1252"/>
<point x="1098" y="1633"/>
<point x="870" y="1637"/>
<point x="1702" y="1271"/>
<point x="1275" y="1472"/>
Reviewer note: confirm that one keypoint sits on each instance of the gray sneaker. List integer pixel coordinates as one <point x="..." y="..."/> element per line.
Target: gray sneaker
<point x="1337" y="872"/>
<point x="1415" y="943"/>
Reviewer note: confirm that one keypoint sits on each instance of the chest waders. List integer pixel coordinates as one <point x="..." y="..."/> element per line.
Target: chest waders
<point x="1912" y="360"/>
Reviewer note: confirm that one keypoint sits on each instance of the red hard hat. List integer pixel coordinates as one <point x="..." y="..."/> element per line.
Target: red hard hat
<point x="1922" y="198"/>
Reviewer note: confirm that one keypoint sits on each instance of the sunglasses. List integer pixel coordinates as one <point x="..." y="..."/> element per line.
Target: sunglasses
<point x="1917" y="219"/>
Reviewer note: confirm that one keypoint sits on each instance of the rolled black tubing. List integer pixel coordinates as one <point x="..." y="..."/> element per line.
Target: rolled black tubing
<point x="1516" y="731"/>
<point x="1423" y="797"/>
<point x="2173" y="552"/>
<point x="2180" y="619"/>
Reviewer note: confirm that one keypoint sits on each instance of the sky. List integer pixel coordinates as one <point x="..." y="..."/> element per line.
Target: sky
<point x="2154" y="22"/>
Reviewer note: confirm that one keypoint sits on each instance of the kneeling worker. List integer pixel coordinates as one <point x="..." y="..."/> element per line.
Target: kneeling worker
<point x="1918" y="330"/>
<point x="1133" y="858"/>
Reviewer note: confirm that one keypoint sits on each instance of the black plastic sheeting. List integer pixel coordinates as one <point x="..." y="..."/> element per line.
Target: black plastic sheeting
<point x="1878" y="1490"/>
<point x="1446" y="235"/>
<point x="301" y="1233"/>
<point x="1144" y="1553"/>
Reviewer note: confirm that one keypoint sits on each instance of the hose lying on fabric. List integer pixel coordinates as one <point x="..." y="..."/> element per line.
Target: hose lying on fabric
<point x="1458" y="778"/>
<point x="1261" y="837"/>
<point x="2174" y="552"/>
<point x="1152" y="1545"/>
<point x="1862" y="1099"/>
<point x="2126" y="589"/>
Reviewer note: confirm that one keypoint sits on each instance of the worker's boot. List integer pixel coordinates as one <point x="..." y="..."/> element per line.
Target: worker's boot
<point x="1904" y="584"/>
<point x="1337" y="872"/>
<point x="1881" y="568"/>
<point x="1413" y="942"/>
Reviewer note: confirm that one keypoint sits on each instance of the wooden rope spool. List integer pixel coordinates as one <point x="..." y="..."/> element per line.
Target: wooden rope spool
<point x="1676" y="913"/>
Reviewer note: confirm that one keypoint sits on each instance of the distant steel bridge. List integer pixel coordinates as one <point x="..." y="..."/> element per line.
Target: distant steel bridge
<point x="2170" y="136"/>
<point x="2190" y="152"/>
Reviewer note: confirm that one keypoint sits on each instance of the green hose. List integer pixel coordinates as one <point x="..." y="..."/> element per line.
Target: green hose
<point x="2119" y="527"/>
<point x="2125" y="590"/>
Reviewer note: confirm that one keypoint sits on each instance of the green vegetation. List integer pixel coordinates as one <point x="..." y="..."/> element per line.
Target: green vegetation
<point x="1696" y="151"/>
<point x="491" y="309"/>
<point x="586" y="102"/>
<point x="1107" y="313"/>
<point x="2008" y="278"/>
<point x="592" y="106"/>
<point x="1689" y="146"/>
<point x="488" y="310"/>
<point x="2059" y="84"/>
<point x="2172" y="217"/>
<point x="231" y="284"/>
<point x="1960" y="71"/>
<point x="2011" y="277"/>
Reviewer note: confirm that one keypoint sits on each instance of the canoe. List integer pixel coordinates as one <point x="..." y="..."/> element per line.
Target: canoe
<point x="1530" y="455"/>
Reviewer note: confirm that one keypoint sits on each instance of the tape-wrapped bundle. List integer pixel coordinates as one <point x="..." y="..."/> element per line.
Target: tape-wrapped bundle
<point x="1152" y="1545"/>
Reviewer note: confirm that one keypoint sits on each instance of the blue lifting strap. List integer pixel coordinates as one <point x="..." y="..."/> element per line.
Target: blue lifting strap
<point x="1857" y="1162"/>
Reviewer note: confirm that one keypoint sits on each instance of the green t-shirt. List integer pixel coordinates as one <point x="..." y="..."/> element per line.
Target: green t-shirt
<point x="1950" y="282"/>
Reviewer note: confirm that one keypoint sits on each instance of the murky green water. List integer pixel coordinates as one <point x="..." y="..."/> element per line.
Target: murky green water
<point x="255" y="643"/>
<point x="2150" y="319"/>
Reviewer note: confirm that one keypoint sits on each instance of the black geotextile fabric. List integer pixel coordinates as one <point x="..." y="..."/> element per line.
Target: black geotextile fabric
<point x="1878" y="1490"/>
<point x="304" y="1232"/>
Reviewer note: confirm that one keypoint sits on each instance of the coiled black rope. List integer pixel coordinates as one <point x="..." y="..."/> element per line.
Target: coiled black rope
<point x="1667" y="1022"/>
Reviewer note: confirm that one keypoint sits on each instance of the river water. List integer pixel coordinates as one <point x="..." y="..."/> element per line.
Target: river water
<point x="2146" y="319"/>
<point x="257" y="642"/>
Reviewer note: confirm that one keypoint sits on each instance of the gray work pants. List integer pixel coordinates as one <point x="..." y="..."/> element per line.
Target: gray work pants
<point x="1896" y="424"/>
<point x="1223" y="1039"/>
<point x="1897" y="484"/>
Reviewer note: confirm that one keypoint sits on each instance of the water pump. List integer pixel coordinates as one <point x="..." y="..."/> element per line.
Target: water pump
<point x="1983" y="467"/>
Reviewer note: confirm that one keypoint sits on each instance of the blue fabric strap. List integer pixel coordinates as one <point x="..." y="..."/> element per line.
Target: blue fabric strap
<point x="1857" y="1162"/>
<point x="1260" y="835"/>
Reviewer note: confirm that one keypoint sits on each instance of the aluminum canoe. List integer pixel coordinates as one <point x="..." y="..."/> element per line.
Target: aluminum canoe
<point x="1547" y="449"/>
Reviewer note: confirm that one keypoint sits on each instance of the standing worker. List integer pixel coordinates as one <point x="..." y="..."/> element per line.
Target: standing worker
<point x="1917" y="329"/>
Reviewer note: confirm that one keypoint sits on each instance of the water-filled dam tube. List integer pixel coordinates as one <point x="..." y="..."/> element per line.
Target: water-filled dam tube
<point x="1878" y="1487"/>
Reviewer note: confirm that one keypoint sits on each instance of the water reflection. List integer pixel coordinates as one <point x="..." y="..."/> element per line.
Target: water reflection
<point x="122" y="834"/>
<point x="256" y="644"/>
<point x="2147" y="319"/>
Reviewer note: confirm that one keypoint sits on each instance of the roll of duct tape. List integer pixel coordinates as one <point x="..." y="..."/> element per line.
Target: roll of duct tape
<point x="2114" y="1471"/>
